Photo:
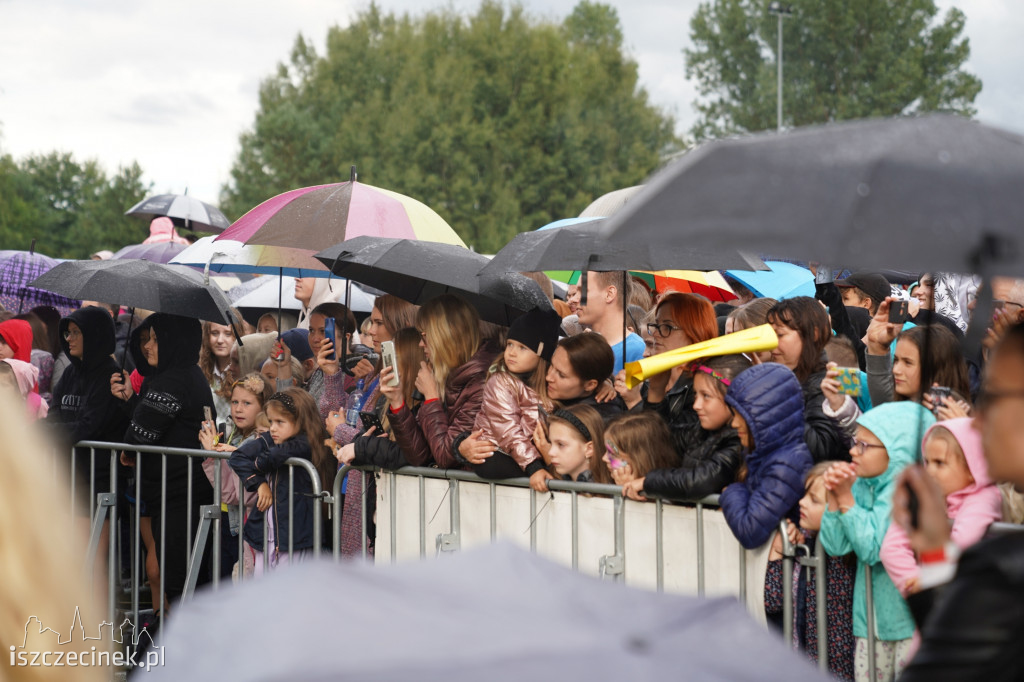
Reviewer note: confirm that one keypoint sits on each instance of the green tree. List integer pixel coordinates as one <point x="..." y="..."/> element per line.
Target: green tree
<point x="841" y="59"/>
<point x="498" y="121"/>
<point x="70" y="208"/>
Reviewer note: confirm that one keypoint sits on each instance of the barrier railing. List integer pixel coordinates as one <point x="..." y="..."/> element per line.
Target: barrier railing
<point x="102" y="511"/>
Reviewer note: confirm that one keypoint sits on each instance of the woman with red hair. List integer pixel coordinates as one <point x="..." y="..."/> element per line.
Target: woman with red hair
<point x="679" y="320"/>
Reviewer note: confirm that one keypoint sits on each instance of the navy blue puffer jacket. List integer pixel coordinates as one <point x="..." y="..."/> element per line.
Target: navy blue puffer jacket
<point x="770" y="400"/>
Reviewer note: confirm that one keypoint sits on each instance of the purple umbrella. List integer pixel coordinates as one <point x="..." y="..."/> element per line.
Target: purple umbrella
<point x="160" y="252"/>
<point x="19" y="268"/>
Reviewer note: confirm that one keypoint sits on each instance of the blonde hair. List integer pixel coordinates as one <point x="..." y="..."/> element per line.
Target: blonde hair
<point x="451" y="328"/>
<point x="946" y="436"/>
<point x="41" y="554"/>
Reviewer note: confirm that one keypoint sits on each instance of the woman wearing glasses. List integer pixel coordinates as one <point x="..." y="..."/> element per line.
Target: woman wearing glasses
<point x="680" y="320"/>
<point x="82" y="403"/>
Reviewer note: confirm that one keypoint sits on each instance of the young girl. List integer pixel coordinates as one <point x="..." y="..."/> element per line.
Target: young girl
<point x="513" y="393"/>
<point x="635" y="443"/>
<point x="803" y="328"/>
<point x="768" y="416"/>
<point x="711" y="453"/>
<point x="838" y="582"/>
<point x="911" y="373"/>
<point x="857" y="518"/>
<point x="21" y="377"/>
<point x="576" y="435"/>
<point x="247" y="398"/>
<point x="953" y="457"/>
<point x="214" y="359"/>
<point x="295" y="431"/>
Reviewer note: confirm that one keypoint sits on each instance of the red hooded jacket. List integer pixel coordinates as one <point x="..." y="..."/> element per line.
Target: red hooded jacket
<point x="18" y="335"/>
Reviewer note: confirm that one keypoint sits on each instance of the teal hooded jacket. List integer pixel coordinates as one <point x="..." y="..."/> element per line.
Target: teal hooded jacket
<point x="900" y="426"/>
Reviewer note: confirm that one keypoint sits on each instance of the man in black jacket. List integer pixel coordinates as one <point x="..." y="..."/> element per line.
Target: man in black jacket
<point x="972" y="627"/>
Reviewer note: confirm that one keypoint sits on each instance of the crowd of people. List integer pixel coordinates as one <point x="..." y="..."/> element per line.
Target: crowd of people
<point x="820" y="434"/>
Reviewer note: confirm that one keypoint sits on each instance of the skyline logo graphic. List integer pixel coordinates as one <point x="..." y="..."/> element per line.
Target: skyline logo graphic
<point x="51" y="648"/>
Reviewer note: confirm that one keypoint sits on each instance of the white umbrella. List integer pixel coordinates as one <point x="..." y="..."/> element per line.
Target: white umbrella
<point x="265" y="295"/>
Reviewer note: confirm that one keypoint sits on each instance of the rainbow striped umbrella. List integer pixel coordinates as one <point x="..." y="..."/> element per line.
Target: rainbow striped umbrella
<point x="310" y="219"/>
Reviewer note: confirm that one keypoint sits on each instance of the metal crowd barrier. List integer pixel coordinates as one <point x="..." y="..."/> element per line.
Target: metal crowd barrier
<point x="102" y="510"/>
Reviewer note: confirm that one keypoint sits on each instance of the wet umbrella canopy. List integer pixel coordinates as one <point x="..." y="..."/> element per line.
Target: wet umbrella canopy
<point x="183" y="210"/>
<point x="418" y="271"/>
<point x="493" y="613"/>
<point x="17" y="270"/>
<point x="140" y="284"/>
<point x="938" y="192"/>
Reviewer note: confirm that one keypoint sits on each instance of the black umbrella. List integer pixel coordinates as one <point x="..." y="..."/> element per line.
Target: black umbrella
<point x="582" y="247"/>
<point x="140" y="284"/>
<point x="938" y="192"/>
<point x="183" y="210"/>
<point x="418" y="271"/>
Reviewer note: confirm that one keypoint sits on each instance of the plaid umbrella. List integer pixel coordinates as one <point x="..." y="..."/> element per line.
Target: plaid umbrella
<point x="19" y="268"/>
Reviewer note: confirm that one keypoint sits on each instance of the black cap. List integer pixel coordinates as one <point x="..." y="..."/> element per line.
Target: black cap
<point x="874" y="285"/>
<point x="538" y="330"/>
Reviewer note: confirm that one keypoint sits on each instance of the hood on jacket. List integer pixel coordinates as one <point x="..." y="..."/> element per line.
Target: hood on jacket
<point x="162" y="230"/>
<point x="969" y="439"/>
<point x="18" y="335"/>
<point x="178" y="342"/>
<point x="324" y="291"/>
<point x="771" y="402"/>
<point x="254" y="350"/>
<point x="98" y="337"/>
<point x="26" y="375"/>
<point x="899" y="425"/>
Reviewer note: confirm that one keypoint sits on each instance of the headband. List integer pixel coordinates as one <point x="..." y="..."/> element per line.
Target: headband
<point x="568" y="416"/>
<point x="710" y="372"/>
<point x="285" y="400"/>
<point x="253" y="384"/>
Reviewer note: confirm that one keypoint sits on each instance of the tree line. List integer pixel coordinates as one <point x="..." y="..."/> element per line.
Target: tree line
<point x="503" y="122"/>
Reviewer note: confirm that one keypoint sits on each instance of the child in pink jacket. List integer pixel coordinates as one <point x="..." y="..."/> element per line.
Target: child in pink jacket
<point x="953" y="457"/>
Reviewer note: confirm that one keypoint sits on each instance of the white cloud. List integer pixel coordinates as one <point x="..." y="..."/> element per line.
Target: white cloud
<point x="172" y="85"/>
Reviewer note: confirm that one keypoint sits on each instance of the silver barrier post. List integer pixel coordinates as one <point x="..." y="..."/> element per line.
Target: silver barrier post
<point x="217" y="530"/>
<point x="138" y="540"/>
<point x="450" y="542"/>
<point x="533" y="520"/>
<point x="163" y="533"/>
<point x="188" y="513"/>
<point x="291" y="512"/>
<point x="92" y="483"/>
<point x="615" y="564"/>
<point x="575" y="531"/>
<point x="494" y="511"/>
<point x="362" y="521"/>
<point x="423" y="516"/>
<point x="267" y="549"/>
<point x="208" y="513"/>
<point x="74" y="466"/>
<point x="393" y="484"/>
<point x="870" y="608"/>
<point x="113" y="565"/>
<point x="743" y="575"/>
<point x="336" y="517"/>
<point x="787" y="585"/>
<point x="700" y="551"/>
<point x="820" y="577"/>
<point x="658" y="540"/>
<point x="242" y="518"/>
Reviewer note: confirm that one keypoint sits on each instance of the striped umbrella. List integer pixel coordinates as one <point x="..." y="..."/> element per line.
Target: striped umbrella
<point x="711" y="284"/>
<point x="183" y="210"/>
<point x="314" y="218"/>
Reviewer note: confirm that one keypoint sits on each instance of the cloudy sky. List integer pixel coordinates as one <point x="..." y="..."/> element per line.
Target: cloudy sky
<point x="172" y="85"/>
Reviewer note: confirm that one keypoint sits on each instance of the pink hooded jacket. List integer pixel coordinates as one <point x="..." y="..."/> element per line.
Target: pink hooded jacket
<point x="27" y="375"/>
<point x="972" y="509"/>
<point x="162" y="230"/>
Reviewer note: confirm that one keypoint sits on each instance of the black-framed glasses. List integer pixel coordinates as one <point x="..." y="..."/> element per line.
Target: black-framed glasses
<point x="987" y="397"/>
<point x="664" y="330"/>
<point x="863" y="445"/>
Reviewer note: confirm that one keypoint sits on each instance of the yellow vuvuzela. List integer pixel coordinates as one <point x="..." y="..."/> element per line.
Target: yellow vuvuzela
<point x="753" y="340"/>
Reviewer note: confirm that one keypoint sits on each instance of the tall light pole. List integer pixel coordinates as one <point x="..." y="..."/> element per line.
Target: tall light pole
<point x="781" y="11"/>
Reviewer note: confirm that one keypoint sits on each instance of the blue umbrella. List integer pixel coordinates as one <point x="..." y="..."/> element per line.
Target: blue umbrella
<point x="784" y="280"/>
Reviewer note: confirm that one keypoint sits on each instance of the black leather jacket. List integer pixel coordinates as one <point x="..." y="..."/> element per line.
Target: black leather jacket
<point x="972" y="628"/>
